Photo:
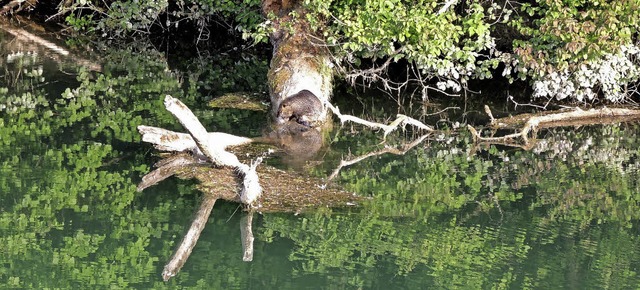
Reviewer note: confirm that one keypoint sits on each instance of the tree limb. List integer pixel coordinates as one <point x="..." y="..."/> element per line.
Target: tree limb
<point x="401" y="120"/>
<point x="215" y="151"/>
<point x="189" y="241"/>
<point x="532" y="123"/>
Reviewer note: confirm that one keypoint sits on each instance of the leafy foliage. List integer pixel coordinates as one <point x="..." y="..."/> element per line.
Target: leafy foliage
<point x="562" y="215"/>
<point x="121" y="18"/>
<point x="452" y="45"/>
<point x="575" y="49"/>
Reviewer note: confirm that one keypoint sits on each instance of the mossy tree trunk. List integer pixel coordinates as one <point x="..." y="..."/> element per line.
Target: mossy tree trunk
<point x="301" y="60"/>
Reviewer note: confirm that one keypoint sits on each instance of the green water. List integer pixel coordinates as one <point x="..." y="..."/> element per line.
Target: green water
<point x="444" y="215"/>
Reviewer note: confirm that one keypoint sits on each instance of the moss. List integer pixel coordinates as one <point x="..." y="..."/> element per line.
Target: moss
<point x="282" y="191"/>
<point x="243" y="101"/>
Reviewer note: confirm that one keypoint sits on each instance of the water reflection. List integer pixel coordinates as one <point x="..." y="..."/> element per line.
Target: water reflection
<point x="561" y="215"/>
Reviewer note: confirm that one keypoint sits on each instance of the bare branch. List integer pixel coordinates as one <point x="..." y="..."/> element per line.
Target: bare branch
<point x="215" y="151"/>
<point x="166" y="140"/>
<point x="189" y="241"/>
<point x="401" y="120"/>
<point x="571" y="118"/>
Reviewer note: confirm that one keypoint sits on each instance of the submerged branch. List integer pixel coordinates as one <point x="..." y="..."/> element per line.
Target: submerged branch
<point x="189" y="241"/>
<point x="395" y="151"/>
<point x="166" y="168"/>
<point x="246" y="234"/>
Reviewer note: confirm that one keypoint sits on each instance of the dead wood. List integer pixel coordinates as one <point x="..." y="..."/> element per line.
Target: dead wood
<point x="214" y="150"/>
<point x="23" y="36"/>
<point x="189" y="241"/>
<point x="283" y="191"/>
<point x="246" y="234"/>
<point x="166" y="140"/>
<point x="400" y="121"/>
<point x="166" y="168"/>
<point x="529" y="124"/>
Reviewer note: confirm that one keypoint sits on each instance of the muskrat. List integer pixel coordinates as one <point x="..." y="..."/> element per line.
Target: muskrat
<point x="304" y="108"/>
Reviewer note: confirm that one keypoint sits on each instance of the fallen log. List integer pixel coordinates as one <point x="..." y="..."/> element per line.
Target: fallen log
<point x="262" y="189"/>
<point x="529" y="124"/>
<point x="230" y="179"/>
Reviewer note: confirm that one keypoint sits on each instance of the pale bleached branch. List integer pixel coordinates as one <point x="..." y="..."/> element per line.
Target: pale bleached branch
<point x="167" y="140"/>
<point x="570" y="118"/>
<point x="401" y="120"/>
<point x="215" y="151"/>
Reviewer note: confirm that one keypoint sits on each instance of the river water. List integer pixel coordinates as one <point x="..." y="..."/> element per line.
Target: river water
<point x="446" y="214"/>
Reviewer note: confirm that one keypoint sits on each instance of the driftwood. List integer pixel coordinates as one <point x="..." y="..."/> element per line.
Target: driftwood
<point x="401" y="120"/>
<point x="529" y="124"/>
<point x="263" y="189"/>
<point x="59" y="53"/>
<point x="216" y="151"/>
<point x="229" y="179"/>
<point x="190" y="239"/>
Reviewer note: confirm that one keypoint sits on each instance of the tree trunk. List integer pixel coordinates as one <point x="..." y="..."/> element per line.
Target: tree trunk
<point x="301" y="69"/>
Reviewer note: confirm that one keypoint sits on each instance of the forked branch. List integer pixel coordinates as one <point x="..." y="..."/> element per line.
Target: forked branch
<point x="215" y="151"/>
<point x="401" y="120"/>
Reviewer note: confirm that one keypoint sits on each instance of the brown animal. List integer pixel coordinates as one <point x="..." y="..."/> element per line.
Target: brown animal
<point x="299" y="143"/>
<point x="304" y="108"/>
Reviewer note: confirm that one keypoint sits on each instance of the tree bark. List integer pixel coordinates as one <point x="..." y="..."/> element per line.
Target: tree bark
<point x="300" y="62"/>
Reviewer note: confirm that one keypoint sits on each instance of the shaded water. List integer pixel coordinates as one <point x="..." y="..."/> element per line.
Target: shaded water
<point x="444" y="215"/>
